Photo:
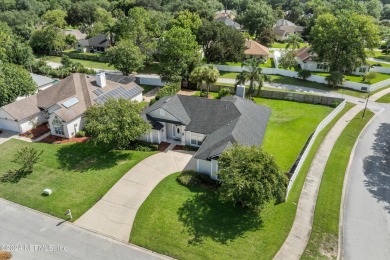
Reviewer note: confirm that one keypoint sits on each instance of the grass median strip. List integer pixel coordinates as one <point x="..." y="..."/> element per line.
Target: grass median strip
<point x="323" y="241"/>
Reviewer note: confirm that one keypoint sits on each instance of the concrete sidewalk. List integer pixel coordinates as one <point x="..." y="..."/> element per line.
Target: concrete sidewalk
<point x="114" y="214"/>
<point x="299" y="236"/>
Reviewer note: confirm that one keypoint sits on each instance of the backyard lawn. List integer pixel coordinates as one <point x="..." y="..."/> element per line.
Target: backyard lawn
<point x="387" y="65"/>
<point x="86" y="63"/>
<point x="281" y="45"/>
<point x="191" y="223"/>
<point x="78" y="174"/>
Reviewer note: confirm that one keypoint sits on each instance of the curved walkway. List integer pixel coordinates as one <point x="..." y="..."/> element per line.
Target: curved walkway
<point x="299" y="235"/>
<point x="113" y="215"/>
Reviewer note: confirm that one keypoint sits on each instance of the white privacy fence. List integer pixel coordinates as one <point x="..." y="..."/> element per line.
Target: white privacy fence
<point x="315" y="78"/>
<point x="319" y="128"/>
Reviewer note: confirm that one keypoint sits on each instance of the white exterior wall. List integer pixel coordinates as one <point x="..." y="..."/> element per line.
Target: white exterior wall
<point x="150" y="80"/>
<point x="138" y="98"/>
<point x="7" y="122"/>
<point x="28" y="124"/>
<point x="71" y="128"/>
<point x="207" y="167"/>
<point x="385" y="70"/>
<point x="357" y="70"/>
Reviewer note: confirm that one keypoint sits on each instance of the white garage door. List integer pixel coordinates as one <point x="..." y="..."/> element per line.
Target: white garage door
<point x="9" y="125"/>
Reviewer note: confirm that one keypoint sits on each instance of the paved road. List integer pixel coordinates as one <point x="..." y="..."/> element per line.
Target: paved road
<point x="38" y="236"/>
<point x="114" y="214"/>
<point x="366" y="219"/>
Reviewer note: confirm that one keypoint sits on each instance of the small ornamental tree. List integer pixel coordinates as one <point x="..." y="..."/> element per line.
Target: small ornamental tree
<point x="27" y="157"/>
<point x="304" y="74"/>
<point x="115" y="123"/>
<point x="250" y="177"/>
<point x="287" y="60"/>
<point x="369" y="76"/>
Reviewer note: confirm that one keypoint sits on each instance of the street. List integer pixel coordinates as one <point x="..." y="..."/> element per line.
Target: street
<point x="366" y="219"/>
<point x="32" y="235"/>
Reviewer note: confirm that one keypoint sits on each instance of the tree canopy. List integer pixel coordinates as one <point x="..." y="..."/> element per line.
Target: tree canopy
<point x="115" y="123"/>
<point x="341" y="40"/>
<point x="15" y="81"/>
<point x="125" y="57"/>
<point x="250" y="177"/>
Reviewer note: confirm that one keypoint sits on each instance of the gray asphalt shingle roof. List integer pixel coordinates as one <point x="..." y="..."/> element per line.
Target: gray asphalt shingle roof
<point x="224" y="122"/>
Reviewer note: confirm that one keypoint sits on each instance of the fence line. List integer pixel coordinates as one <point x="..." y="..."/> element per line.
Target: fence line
<point x="319" y="128"/>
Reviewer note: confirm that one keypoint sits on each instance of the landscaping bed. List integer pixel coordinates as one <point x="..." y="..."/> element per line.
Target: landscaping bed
<point x="78" y="174"/>
<point x="37" y="132"/>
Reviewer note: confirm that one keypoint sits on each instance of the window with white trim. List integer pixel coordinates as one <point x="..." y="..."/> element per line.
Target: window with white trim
<point x="362" y="70"/>
<point x="322" y="66"/>
<point x="58" y="126"/>
<point x="197" y="139"/>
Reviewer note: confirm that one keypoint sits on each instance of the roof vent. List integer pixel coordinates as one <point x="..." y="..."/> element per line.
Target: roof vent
<point x="101" y="79"/>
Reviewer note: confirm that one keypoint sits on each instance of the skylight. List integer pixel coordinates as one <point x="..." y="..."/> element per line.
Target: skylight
<point x="70" y="102"/>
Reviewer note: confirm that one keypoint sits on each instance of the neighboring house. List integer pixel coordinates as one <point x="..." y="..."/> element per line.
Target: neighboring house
<point x="308" y="60"/>
<point x="98" y="43"/>
<point x="210" y="124"/>
<point x="254" y="49"/>
<point x="42" y="83"/>
<point x="76" y="33"/>
<point x="223" y="13"/>
<point x="283" y="28"/>
<point x="229" y="22"/>
<point x="64" y="104"/>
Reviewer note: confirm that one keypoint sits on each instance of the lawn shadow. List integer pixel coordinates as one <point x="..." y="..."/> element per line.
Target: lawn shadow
<point x="377" y="167"/>
<point x="14" y="176"/>
<point x="205" y="216"/>
<point x="84" y="156"/>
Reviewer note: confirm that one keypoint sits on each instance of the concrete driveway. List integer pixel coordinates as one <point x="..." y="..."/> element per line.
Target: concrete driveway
<point x="366" y="205"/>
<point x="6" y="135"/>
<point x="29" y="234"/>
<point x="114" y="214"/>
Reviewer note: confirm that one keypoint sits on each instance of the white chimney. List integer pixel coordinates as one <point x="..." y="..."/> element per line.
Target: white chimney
<point x="240" y="91"/>
<point x="101" y="79"/>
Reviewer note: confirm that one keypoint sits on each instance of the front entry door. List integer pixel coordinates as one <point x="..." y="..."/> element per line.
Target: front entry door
<point x="176" y="132"/>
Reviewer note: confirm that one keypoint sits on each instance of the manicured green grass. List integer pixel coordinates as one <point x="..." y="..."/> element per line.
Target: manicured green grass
<point x="85" y="53"/>
<point x="228" y="75"/>
<point x="213" y="95"/>
<point x="356" y="78"/>
<point x="86" y="63"/>
<point x="324" y="236"/>
<point x="378" y="55"/>
<point x="287" y="116"/>
<point x="268" y="64"/>
<point x="283" y="45"/>
<point x="78" y="174"/>
<point x="384" y="99"/>
<point x="193" y="224"/>
<point x="386" y="65"/>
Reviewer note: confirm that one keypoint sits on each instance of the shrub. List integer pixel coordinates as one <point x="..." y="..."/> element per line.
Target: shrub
<point x="335" y="78"/>
<point x="203" y="94"/>
<point x="80" y="133"/>
<point x="167" y="90"/>
<point x="189" y="178"/>
<point x="335" y="103"/>
<point x="27" y="157"/>
<point x="142" y="146"/>
<point x="224" y="92"/>
<point x="152" y="101"/>
<point x="369" y="76"/>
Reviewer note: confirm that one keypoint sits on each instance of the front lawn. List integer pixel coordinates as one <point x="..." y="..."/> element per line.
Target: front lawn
<point x="228" y="75"/>
<point x="324" y="237"/>
<point x="192" y="224"/>
<point x="79" y="175"/>
<point x="282" y="45"/>
<point x="355" y="78"/>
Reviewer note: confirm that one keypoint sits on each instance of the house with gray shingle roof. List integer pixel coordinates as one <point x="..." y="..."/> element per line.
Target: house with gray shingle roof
<point x="62" y="105"/>
<point x="211" y="125"/>
<point x="98" y="43"/>
<point x="283" y="28"/>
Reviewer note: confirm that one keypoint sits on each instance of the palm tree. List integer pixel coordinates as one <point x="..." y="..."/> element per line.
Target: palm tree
<point x="254" y="74"/>
<point x="110" y="29"/>
<point x="197" y="76"/>
<point x="210" y="75"/>
<point x="294" y="41"/>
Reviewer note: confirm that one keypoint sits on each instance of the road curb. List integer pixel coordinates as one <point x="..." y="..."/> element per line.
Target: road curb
<point x="135" y="247"/>
<point x="351" y="157"/>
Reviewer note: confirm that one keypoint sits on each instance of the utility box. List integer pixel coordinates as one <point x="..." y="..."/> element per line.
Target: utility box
<point x="47" y="192"/>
